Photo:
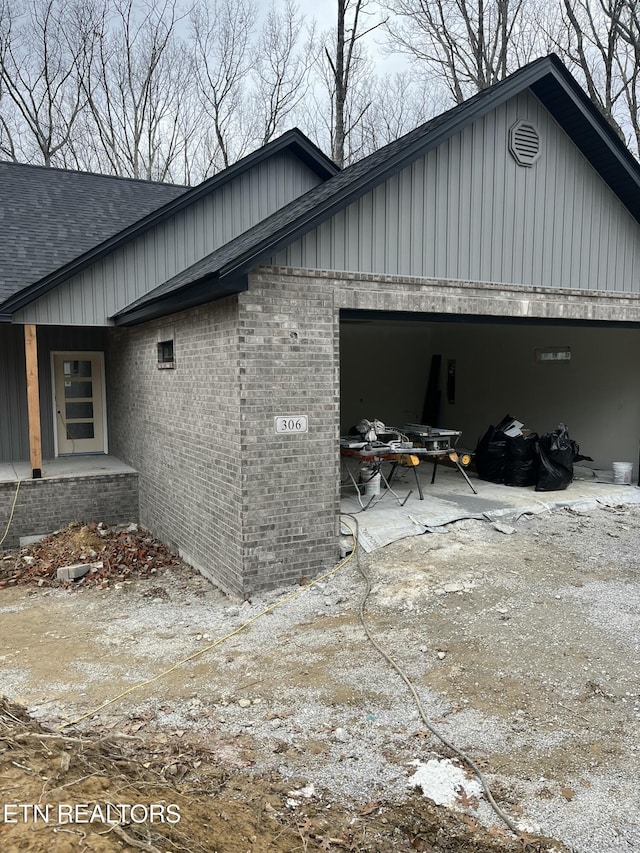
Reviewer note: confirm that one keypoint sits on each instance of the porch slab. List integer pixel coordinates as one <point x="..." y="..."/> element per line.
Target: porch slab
<point x="66" y="466"/>
<point x="450" y="499"/>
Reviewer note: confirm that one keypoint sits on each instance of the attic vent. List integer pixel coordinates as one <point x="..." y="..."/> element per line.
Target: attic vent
<point x="524" y="143"/>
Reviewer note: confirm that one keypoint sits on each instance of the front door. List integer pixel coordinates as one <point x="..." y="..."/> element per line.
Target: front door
<point x="78" y="381"/>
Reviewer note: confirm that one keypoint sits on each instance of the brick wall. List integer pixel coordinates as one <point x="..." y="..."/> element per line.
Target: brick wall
<point x="179" y="428"/>
<point x="50" y="503"/>
<point x="252" y="509"/>
<point x="290" y="483"/>
<point x="248" y="508"/>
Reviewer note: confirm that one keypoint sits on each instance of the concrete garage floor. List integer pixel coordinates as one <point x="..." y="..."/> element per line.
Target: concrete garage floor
<point x="450" y="499"/>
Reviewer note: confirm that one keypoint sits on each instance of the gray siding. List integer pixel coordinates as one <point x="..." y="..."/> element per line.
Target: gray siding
<point x="14" y="430"/>
<point x="467" y="211"/>
<point x="128" y="273"/>
<point x="14" y="427"/>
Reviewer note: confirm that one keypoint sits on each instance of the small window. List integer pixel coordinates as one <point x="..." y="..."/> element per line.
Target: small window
<point x="165" y="354"/>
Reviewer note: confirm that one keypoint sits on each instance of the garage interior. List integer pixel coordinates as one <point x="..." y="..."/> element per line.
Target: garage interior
<point x="541" y="372"/>
<point x="466" y="373"/>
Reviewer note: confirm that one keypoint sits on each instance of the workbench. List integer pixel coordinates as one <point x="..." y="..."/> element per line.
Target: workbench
<point x="406" y="456"/>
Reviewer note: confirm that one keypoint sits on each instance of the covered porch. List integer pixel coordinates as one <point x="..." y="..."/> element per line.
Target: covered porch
<point x="53" y="390"/>
<point x="54" y="462"/>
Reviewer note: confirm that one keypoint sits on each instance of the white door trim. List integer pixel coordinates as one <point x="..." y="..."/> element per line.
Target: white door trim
<point x="76" y="354"/>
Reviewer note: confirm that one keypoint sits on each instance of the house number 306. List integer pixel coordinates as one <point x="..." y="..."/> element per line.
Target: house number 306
<point x="291" y="423"/>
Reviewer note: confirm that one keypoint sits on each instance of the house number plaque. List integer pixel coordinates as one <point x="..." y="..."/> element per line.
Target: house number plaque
<point x="291" y="423"/>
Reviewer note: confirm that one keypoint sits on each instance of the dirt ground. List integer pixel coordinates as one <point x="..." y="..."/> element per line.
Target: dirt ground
<point x="293" y="733"/>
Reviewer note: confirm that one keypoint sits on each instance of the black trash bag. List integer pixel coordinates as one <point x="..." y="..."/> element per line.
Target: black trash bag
<point x="490" y="456"/>
<point x="556" y="452"/>
<point x="521" y="464"/>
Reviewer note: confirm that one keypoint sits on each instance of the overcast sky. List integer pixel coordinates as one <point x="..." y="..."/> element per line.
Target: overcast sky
<point x="325" y="13"/>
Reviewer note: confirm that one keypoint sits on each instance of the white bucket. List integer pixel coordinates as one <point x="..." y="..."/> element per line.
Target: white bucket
<point x="370" y="481"/>
<point x="622" y="473"/>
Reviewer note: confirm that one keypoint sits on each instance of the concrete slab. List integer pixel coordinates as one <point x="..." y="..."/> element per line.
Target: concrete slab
<point x="7" y="473"/>
<point x="449" y="499"/>
<point x="72" y="573"/>
<point x="65" y="466"/>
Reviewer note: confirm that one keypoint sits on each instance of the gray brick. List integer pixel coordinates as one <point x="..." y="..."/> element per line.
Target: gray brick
<point x="46" y="505"/>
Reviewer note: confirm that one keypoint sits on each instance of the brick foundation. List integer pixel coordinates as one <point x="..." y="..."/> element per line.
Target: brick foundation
<point x="46" y="505"/>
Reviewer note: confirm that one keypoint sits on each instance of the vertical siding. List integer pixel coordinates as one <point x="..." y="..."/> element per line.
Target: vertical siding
<point x="14" y="430"/>
<point x="133" y="270"/>
<point x="14" y="426"/>
<point x="467" y="210"/>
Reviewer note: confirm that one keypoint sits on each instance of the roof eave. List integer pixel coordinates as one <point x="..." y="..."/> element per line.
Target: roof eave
<point x="527" y="78"/>
<point x="191" y="295"/>
<point x="594" y="137"/>
<point x="293" y="140"/>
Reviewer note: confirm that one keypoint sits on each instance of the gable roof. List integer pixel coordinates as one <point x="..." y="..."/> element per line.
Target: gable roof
<point x="50" y="216"/>
<point x="69" y="210"/>
<point x="226" y="268"/>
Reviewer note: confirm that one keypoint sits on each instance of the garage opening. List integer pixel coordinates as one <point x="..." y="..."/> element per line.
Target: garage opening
<point x="467" y="373"/>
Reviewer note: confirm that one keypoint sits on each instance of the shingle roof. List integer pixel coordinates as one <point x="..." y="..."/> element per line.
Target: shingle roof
<point x="546" y="77"/>
<point x="58" y="205"/>
<point x="50" y="216"/>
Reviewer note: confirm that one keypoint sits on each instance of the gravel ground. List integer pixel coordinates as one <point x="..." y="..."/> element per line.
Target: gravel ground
<point x="524" y="647"/>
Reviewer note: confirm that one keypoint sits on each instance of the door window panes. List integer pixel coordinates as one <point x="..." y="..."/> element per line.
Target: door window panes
<point x="77" y="368"/>
<point x="73" y="390"/>
<point x="82" y="430"/>
<point x="75" y="411"/>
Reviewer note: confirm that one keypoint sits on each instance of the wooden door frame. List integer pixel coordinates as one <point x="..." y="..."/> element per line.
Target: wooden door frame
<point x="78" y="354"/>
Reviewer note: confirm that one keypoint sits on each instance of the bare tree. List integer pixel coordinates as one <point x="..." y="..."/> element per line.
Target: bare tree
<point x="342" y="71"/>
<point x="344" y="61"/>
<point x="592" y="47"/>
<point x="469" y="44"/>
<point x="222" y="34"/>
<point x="41" y="49"/>
<point x="7" y="145"/>
<point x="398" y="103"/>
<point x="600" y="43"/>
<point x="281" y="69"/>
<point x="135" y="83"/>
<point x="626" y="19"/>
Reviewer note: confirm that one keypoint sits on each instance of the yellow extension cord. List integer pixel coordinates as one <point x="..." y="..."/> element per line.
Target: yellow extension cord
<point x="213" y="645"/>
<point x="13" y="509"/>
<point x="460" y="753"/>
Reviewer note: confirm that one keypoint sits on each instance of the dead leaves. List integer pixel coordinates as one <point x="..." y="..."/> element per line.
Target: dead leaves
<point x="464" y="800"/>
<point x="368" y="808"/>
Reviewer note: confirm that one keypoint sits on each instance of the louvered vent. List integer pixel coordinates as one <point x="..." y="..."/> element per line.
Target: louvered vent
<point x="524" y="143"/>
